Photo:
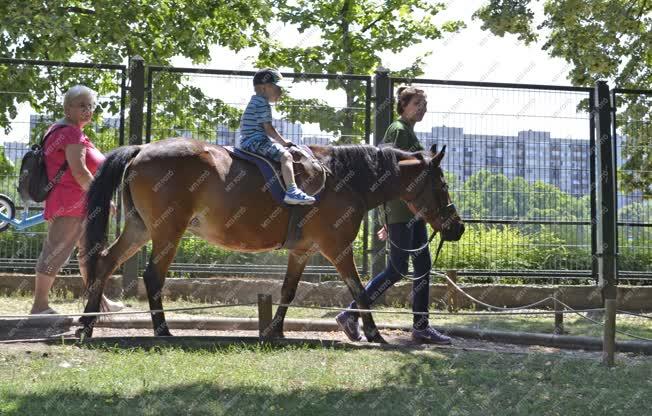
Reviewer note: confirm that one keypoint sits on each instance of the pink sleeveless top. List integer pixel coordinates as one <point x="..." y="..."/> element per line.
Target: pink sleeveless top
<point x="67" y="198"/>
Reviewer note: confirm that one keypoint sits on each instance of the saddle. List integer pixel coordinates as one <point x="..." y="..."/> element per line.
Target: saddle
<point x="309" y="173"/>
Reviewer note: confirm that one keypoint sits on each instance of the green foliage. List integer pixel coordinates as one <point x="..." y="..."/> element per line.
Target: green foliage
<point x="504" y="247"/>
<point x="6" y="166"/>
<point x="110" y="31"/>
<point x="508" y="16"/>
<point x="352" y="36"/>
<point x="600" y="39"/>
<point x="488" y="195"/>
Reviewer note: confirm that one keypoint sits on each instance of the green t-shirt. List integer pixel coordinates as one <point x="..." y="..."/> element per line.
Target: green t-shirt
<point x="401" y="136"/>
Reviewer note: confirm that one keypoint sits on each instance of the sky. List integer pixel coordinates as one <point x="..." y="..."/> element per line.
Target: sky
<point x="471" y="55"/>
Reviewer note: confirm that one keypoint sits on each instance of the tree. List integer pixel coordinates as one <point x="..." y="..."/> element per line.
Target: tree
<point x="353" y="34"/>
<point x="112" y="31"/>
<point x="6" y="166"/>
<point x="601" y="39"/>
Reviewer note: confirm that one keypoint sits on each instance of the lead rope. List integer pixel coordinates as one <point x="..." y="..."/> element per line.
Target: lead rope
<point x="416" y="250"/>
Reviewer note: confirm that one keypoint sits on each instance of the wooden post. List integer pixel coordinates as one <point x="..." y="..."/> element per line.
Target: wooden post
<point x="264" y="315"/>
<point x="452" y="298"/>
<point x="559" y="317"/>
<point x="609" y="339"/>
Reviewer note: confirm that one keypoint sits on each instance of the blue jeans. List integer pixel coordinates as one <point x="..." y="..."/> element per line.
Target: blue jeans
<point x="265" y="147"/>
<point x="408" y="236"/>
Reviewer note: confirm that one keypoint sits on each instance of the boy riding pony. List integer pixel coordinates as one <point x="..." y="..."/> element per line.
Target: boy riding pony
<point x="260" y="137"/>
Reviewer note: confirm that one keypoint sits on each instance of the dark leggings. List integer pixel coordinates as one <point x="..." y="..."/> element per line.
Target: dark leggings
<point x="407" y="236"/>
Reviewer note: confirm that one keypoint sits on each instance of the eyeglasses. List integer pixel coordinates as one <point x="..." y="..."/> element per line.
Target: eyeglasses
<point x="87" y="107"/>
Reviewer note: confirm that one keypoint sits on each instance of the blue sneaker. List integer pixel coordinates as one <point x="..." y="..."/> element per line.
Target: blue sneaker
<point x="430" y="336"/>
<point x="297" y="197"/>
<point x="348" y="323"/>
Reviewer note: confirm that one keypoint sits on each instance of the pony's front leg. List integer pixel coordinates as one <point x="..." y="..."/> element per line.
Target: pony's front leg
<point x="296" y="263"/>
<point x="342" y="259"/>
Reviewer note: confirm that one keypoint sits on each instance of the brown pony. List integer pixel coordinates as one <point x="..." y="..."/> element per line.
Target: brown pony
<point x="181" y="184"/>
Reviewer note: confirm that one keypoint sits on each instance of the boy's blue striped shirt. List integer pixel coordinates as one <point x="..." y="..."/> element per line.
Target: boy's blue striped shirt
<point x="258" y="111"/>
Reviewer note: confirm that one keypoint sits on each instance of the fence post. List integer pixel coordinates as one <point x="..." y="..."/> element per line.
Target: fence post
<point x="382" y="120"/>
<point x="609" y="337"/>
<point x="452" y="298"/>
<point x="136" y="102"/>
<point x="365" y="222"/>
<point x="264" y="315"/>
<point x="559" y="317"/>
<point x="606" y="215"/>
<point x="594" y="184"/>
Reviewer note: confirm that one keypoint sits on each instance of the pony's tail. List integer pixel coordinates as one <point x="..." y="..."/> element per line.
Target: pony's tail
<point x="98" y="204"/>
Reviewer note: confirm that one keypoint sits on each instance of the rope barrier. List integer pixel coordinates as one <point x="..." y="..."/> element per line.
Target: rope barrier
<point x="635" y="314"/>
<point x="399" y="312"/>
<point x="502" y="311"/>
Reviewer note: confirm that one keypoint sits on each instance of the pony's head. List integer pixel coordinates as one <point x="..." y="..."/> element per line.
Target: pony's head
<point x="430" y="198"/>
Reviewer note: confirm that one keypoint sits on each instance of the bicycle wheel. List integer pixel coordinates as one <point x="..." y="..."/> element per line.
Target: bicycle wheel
<point x="8" y="209"/>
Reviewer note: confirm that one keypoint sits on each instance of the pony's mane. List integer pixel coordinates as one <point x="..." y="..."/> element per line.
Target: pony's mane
<point x="364" y="167"/>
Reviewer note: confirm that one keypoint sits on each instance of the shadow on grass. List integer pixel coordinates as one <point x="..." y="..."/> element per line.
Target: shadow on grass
<point x="469" y="384"/>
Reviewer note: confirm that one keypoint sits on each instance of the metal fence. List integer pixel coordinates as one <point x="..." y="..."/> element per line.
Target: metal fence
<point x="317" y="109"/>
<point x="518" y="165"/>
<point x="519" y="160"/>
<point x="632" y="128"/>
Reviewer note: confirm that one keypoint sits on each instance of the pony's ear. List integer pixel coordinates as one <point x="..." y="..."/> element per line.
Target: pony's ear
<point x="433" y="149"/>
<point x="439" y="156"/>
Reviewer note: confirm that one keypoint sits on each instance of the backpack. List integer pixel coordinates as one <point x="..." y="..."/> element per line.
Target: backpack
<point x="33" y="182"/>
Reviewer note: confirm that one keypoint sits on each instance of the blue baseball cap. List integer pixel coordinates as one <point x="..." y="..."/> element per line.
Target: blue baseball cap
<point x="269" y="76"/>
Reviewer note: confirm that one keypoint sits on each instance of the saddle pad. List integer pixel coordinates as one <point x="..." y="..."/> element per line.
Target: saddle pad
<point x="270" y="170"/>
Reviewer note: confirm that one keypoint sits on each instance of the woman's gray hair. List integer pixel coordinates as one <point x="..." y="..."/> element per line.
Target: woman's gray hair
<point x="78" y="91"/>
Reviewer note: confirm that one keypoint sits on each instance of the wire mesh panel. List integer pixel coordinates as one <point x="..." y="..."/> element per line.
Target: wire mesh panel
<point x="31" y="97"/>
<point x="207" y="105"/>
<point x="518" y="166"/>
<point x="633" y="137"/>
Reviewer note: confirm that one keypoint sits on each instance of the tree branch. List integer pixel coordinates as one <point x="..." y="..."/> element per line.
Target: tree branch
<point x="376" y="20"/>
<point x="79" y="10"/>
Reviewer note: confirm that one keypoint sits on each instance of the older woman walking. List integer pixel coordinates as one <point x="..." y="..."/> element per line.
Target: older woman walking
<point x="65" y="207"/>
<point x="406" y="231"/>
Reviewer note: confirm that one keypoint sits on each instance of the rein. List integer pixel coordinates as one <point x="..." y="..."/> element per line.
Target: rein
<point x="415" y="250"/>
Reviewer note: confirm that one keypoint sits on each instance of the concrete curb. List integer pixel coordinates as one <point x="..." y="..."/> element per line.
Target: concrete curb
<point x="334" y="293"/>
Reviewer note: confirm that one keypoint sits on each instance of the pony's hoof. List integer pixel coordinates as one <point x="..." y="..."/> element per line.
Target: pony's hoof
<point x="276" y="335"/>
<point x="376" y="337"/>
<point x="85" y="332"/>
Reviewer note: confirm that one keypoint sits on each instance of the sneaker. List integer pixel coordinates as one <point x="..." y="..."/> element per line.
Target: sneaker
<point x="349" y="324"/>
<point x="48" y="311"/>
<point x="430" y="336"/>
<point x="298" y="197"/>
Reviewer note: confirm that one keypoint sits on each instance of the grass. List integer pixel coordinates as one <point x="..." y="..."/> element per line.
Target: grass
<point x="298" y="381"/>
<point x="573" y="324"/>
<point x="262" y="380"/>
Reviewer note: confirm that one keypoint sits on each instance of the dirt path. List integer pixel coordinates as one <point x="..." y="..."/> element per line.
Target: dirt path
<point x="399" y="339"/>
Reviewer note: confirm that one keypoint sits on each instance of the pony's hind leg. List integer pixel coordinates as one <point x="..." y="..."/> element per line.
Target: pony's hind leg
<point x="132" y="238"/>
<point x="296" y="264"/>
<point x="164" y="248"/>
<point x="343" y="262"/>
